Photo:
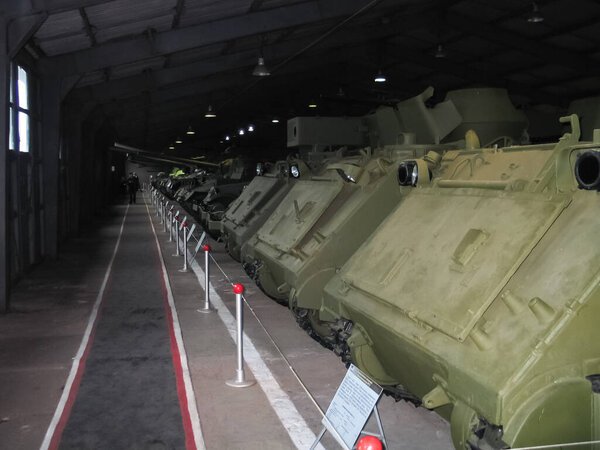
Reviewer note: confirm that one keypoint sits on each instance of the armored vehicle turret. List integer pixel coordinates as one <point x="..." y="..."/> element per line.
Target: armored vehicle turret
<point x="479" y="293"/>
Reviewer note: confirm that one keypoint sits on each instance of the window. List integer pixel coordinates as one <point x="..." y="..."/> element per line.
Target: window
<point x="20" y="110"/>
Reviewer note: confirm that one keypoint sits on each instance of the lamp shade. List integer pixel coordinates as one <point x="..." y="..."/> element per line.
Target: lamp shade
<point x="261" y="69"/>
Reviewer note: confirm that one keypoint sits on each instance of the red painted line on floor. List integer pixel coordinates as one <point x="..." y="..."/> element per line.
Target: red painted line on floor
<point x="190" y="443"/>
<point x="66" y="413"/>
<point x="57" y="424"/>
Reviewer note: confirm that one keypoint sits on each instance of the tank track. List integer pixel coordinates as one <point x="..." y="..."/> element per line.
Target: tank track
<point x="336" y="341"/>
<point x="487" y="437"/>
<point x="252" y="269"/>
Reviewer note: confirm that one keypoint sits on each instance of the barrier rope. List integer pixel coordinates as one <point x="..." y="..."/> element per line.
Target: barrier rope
<point x="260" y="323"/>
<point x="290" y="367"/>
<point x="305" y="388"/>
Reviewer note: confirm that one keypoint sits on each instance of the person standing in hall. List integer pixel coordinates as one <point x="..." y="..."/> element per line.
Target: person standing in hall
<point x="137" y="182"/>
<point x="132" y="186"/>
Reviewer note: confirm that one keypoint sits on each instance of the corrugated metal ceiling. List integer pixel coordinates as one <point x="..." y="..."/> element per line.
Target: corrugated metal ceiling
<point x="372" y="40"/>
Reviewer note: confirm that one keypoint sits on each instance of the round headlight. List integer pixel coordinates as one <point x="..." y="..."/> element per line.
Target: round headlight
<point x="259" y="169"/>
<point x="587" y="170"/>
<point x="294" y="171"/>
<point x="406" y="173"/>
<point x="415" y="175"/>
<point x="345" y="176"/>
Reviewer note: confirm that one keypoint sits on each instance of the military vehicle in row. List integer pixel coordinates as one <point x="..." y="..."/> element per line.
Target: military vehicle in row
<point x="312" y="142"/>
<point x="258" y="200"/>
<point x="479" y="294"/>
<point x="461" y="276"/>
<point x="323" y="219"/>
<point x="209" y="200"/>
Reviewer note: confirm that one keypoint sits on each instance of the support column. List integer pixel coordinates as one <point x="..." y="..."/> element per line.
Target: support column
<point x="51" y="95"/>
<point x="13" y="35"/>
<point x="4" y="83"/>
<point x="91" y="126"/>
<point x="73" y="139"/>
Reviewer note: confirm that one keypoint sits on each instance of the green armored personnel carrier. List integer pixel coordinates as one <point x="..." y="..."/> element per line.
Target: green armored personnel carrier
<point x="313" y="140"/>
<point x="189" y="183"/>
<point x="208" y="200"/>
<point x="250" y="210"/>
<point x="322" y="220"/>
<point x="480" y="293"/>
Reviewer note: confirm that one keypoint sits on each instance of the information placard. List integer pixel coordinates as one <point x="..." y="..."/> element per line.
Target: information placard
<point x="199" y="244"/>
<point x="351" y="406"/>
<point x="191" y="233"/>
<point x="182" y="222"/>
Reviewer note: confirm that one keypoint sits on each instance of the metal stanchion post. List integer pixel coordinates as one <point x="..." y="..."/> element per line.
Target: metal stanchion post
<point x="185" y="239"/>
<point x="207" y="307"/>
<point x="171" y="225"/>
<point x="164" y="214"/>
<point x="176" y="225"/>
<point x="239" y="380"/>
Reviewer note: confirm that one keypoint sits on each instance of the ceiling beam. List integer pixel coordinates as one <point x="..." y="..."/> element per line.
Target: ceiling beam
<point x="88" y="27"/>
<point x="177" y="15"/>
<point x="136" y="49"/>
<point x="255" y="5"/>
<point x="470" y="74"/>
<point x="20" y="8"/>
<point x="535" y="48"/>
<point x="20" y="30"/>
<point x="195" y="92"/>
<point x="137" y="84"/>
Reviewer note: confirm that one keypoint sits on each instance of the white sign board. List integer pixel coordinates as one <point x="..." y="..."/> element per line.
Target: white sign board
<point x="182" y="222"/>
<point x="202" y="236"/>
<point x="351" y="406"/>
<point x="191" y="233"/>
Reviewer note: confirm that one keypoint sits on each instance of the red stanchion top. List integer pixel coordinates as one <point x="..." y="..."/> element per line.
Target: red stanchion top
<point x="238" y="288"/>
<point x="206" y="247"/>
<point x="369" y="443"/>
<point x="184" y="224"/>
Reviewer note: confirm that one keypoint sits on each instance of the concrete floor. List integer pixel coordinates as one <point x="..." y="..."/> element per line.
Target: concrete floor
<point x="50" y="312"/>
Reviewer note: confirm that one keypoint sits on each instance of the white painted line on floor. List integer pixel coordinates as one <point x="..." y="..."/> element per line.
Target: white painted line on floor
<point x="60" y="408"/>
<point x="187" y="379"/>
<point x="295" y="425"/>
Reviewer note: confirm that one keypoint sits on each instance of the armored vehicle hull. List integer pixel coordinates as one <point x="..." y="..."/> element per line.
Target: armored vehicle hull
<point x="208" y="199"/>
<point x="257" y="202"/>
<point x="275" y="248"/>
<point x="318" y="225"/>
<point x="321" y="221"/>
<point x="480" y="294"/>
